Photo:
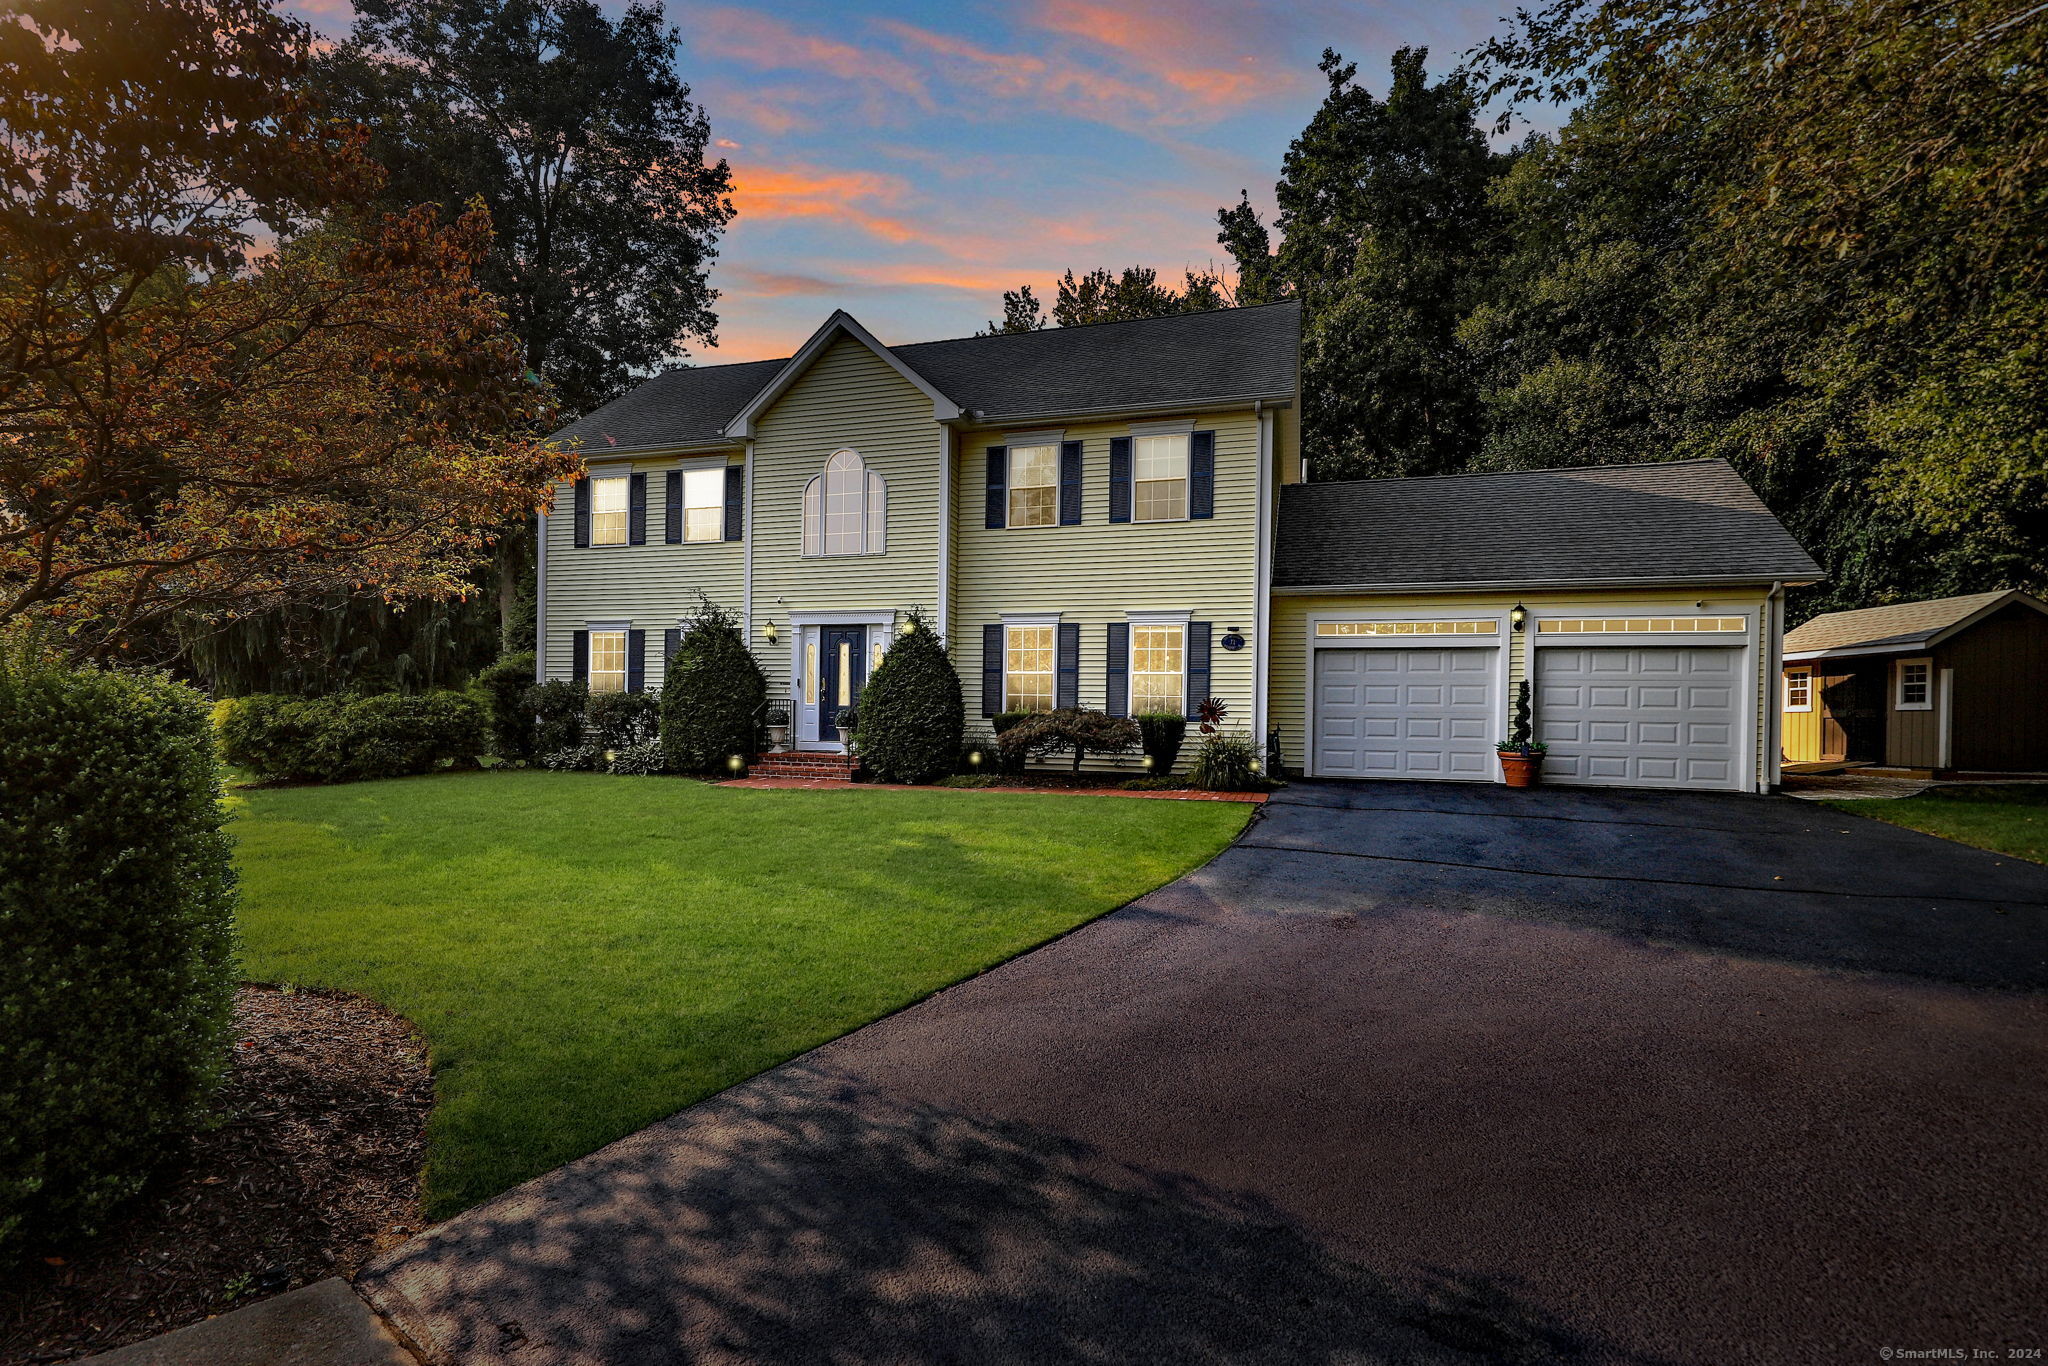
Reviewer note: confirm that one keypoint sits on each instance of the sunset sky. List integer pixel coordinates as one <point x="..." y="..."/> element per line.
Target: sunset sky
<point x="909" y="162"/>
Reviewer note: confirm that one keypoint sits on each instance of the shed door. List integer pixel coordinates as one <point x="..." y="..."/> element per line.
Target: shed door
<point x="1400" y="713"/>
<point x="1648" y="716"/>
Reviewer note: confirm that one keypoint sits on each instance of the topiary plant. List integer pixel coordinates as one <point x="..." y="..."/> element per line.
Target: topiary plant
<point x="117" y="930"/>
<point x="714" y="695"/>
<point x="1083" y="732"/>
<point x="1161" y="734"/>
<point x="912" y="717"/>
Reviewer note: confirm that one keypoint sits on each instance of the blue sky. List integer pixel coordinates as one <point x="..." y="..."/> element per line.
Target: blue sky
<point x="909" y="162"/>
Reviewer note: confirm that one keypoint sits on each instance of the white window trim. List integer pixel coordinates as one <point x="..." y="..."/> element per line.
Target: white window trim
<point x="625" y="478"/>
<point x="1138" y="619"/>
<point x="702" y="467"/>
<point x="590" y="632"/>
<point x="1187" y="477"/>
<point x="1161" y="617"/>
<point x="1170" y="426"/>
<point x="1010" y="485"/>
<point x="1033" y="621"/>
<point x="1807" y="676"/>
<point x="1899" y="702"/>
<point x="1044" y="438"/>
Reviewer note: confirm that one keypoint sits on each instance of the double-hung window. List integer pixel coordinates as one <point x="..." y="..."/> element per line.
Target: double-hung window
<point x="1028" y="668"/>
<point x="608" y="661"/>
<point x="1034" y="485"/>
<point x="1915" y="682"/>
<point x="1159" y="474"/>
<point x="1158" y="669"/>
<point x="704" y="505"/>
<point x="608" y="510"/>
<point x="1799" y="690"/>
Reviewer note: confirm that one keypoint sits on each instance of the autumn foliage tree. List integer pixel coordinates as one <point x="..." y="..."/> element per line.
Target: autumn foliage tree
<point x="184" y="433"/>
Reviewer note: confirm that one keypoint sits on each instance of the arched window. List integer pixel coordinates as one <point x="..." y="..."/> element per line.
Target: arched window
<point x="846" y="509"/>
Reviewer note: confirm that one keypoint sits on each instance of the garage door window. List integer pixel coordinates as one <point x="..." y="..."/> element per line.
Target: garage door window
<point x="1637" y="625"/>
<point x="1328" y="629"/>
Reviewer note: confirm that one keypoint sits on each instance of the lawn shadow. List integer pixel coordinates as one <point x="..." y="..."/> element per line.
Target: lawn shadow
<point x="802" y="1217"/>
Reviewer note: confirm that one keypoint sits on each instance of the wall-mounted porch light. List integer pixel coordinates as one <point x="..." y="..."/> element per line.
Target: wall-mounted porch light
<point x="1518" y="617"/>
<point x="770" y="632"/>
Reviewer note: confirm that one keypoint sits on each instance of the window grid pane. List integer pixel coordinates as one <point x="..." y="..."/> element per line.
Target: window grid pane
<point x="1027" y="668"/>
<point x="1638" y="625"/>
<point x="1798" y="690"/>
<point x="608" y="510"/>
<point x="607" y="661"/>
<point x="1159" y="470"/>
<point x="1156" y="669"/>
<point x="1407" y="628"/>
<point x="1034" y="480"/>
<point x="704" y="505"/>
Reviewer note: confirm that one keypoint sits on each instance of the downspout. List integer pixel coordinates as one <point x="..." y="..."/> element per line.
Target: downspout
<point x="946" y="514"/>
<point x="1774" y="656"/>
<point x="747" y="547"/>
<point x="1262" y="580"/>
<point x="540" y="590"/>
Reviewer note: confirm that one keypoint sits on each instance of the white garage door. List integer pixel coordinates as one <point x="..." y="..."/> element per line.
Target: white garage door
<point x="1394" y="713"/>
<point x="1642" y="717"/>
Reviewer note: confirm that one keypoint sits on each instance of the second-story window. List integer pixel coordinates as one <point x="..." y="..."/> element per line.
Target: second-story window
<point x="1034" y="485"/>
<point x="1159" y="473"/>
<point x="608" y="510"/>
<point x="704" y="505"/>
<point x="846" y="509"/>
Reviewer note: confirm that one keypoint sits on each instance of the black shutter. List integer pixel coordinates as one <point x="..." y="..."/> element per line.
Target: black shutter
<point x="735" y="501"/>
<point x="998" y="509"/>
<point x="671" y="641"/>
<point x="672" y="523"/>
<point x="1070" y="483"/>
<point x="582" y="512"/>
<point x="991" y="670"/>
<point x="1198" y="663"/>
<point x="1119" y="479"/>
<point x="1067" y="683"/>
<point x="1118" y="675"/>
<point x="1202" y="474"/>
<point x="579" y="667"/>
<point x="636" y="661"/>
<point x="636" y="510"/>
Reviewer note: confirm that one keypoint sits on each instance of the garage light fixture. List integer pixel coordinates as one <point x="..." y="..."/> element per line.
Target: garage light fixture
<point x="1518" y="616"/>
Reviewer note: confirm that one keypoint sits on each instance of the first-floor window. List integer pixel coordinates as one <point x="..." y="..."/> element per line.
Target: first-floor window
<point x="608" y="510"/>
<point x="1157" y="672"/>
<point x="1916" y="685"/>
<point x="704" y="505"/>
<point x="607" y="661"/>
<point x="1027" y="668"/>
<point x="1799" y="690"/>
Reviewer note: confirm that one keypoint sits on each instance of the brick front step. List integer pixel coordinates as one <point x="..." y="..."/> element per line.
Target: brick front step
<point x="823" y="767"/>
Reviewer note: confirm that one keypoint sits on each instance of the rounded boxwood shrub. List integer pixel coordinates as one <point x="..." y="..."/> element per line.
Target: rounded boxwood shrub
<point x="556" y="707"/>
<point x="615" y="720"/>
<point x="504" y="686"/>
<point x="1160" y="734"/>
<point x="713" y="696"/>
<point x="912" y="718"/>
<point x="117" y="931"/>
<point x="275" y="736"/>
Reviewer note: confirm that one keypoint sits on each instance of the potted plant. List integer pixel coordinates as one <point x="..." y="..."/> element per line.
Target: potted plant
<point x="846" y="723"/>
<point x="777" y="722"/>
<point x="1521" y="757"/>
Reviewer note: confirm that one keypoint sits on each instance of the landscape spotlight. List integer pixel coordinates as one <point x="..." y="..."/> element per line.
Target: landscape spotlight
<point x="735" y="763"/>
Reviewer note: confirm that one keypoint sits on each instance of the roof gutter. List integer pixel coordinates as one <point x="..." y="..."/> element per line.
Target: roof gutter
<point x="979" y="418"/>
<point x="721" y="446"/>
<point x="1519" y="585"/>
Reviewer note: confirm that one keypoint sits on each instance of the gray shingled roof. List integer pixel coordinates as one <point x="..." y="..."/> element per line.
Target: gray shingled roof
<point x="1194" y="358"/>
<point x="1684" y="519"/>
<point x="1898" y="623"/>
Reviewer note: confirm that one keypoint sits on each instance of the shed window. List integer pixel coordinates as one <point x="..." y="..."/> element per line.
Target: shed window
<point x="1799" y="690"/>
<point x="1915" y="685"/>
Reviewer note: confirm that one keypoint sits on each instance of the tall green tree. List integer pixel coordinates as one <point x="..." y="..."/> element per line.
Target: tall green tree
<point x="586" y="147"/>
<point x="1387" y="234"/>
<point x="1104" y="296"/>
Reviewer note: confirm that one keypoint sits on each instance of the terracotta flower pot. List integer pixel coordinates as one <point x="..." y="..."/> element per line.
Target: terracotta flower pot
<point x="1520" y="770"/>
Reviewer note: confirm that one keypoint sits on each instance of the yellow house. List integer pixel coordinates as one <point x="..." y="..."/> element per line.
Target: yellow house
<point x="1119" y="517"/>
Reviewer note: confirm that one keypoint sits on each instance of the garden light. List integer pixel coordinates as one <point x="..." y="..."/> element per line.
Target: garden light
<point x="974" y="758"/>
<point x="735" y="763"/>
<point x="610" y="755"/>
<point x="1150" y="762"/>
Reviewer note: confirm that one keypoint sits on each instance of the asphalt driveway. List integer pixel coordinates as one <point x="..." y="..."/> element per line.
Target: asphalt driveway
<point x="1411" y="1073"/>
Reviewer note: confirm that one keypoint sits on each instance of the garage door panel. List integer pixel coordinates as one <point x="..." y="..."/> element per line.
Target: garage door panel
<point x="1425" y="713"/>
<point x="1641" y="716"/>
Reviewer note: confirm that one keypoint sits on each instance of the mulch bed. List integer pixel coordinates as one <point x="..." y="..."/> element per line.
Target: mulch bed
<point x="315" y="1169"/>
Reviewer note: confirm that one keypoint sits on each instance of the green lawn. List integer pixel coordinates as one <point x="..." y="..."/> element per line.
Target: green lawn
<point x="590" y="953"/>
<point x="2010" y="818"/>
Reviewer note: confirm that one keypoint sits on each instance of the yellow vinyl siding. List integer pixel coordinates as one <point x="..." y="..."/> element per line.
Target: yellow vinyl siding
<point x="1288" y="664"/>
<point x="1094" y="573"/>
<point x="849" y="398"/>
<point x="653" y="586"/>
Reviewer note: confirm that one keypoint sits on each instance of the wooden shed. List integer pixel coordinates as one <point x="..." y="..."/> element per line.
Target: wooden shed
<point x="1950" y="685"/>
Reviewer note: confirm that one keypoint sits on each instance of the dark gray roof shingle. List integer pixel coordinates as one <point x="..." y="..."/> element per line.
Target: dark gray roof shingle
<point x="1685" y="519"/>
<point x="1898" y="623"/>
<point x="1193" y="358"/>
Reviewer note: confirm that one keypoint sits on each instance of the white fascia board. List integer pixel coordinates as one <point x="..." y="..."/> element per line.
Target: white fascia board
<point x="841" y="322"/>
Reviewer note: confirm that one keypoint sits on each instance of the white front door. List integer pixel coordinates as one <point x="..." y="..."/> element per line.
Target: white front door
<point x="1648" y="716"/>
<point x="1405" y="713"/>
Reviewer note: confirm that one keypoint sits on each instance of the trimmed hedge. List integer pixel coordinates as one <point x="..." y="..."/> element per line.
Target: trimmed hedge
<point x="1160" y="735"/>
<point x="117" y="930"/>
<point x="504" y="686"/>
<point x="556" y="707"/>
<point x="912" y="717"/>
<point x="345" y="739"/>
<point x="713" y="695"/>
<point x="616" y="720"/>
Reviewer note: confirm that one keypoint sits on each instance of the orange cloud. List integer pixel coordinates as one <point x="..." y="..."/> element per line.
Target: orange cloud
<point x="1148" y="38"/>
<point x="786" y="192"/>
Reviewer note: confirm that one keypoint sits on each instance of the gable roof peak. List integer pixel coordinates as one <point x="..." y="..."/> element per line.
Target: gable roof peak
<point x="841" y="323"/>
